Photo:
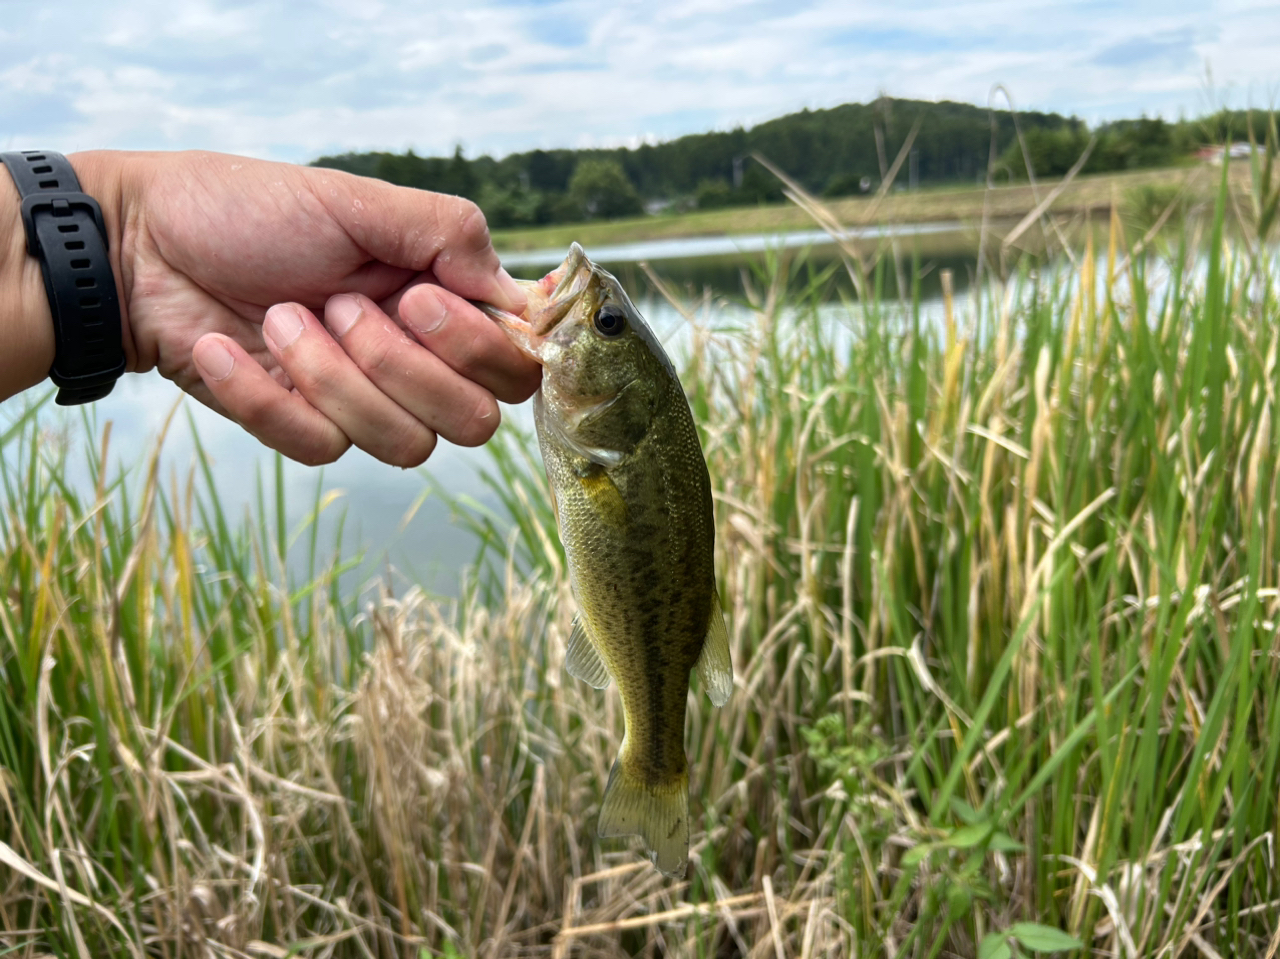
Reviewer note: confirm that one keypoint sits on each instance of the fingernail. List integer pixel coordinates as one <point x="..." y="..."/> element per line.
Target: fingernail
<point x="430" y="316"/>
<point x="515" y="295"/>
<point x="342" y="312"/>
<point x="214" y="360"/>
<point x="282" y="326"/>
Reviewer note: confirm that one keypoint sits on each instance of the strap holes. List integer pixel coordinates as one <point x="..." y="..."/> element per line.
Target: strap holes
<point x="48" y="184"/>
<point x="42" y="169"/>
<point x="35" y="157"/>
<point x="86" y="283"/>
<point x="80" y="264"/>
<point x="74" y="244"/>
<point x="90" y="301"/>
<point x="68" y="227"/>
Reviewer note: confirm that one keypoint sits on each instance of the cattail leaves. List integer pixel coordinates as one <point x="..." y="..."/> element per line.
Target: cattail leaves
<point x="1265" y="194"/>
<point x="1004" y="598"/>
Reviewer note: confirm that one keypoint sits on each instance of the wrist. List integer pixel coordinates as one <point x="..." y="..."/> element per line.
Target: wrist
<point x="101" y="176"/>
<point x="29" y="345"/>
<point x="24" y="309"/>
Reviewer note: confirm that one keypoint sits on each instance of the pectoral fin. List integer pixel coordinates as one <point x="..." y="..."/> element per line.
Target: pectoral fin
<point x="605" y="498"/>
<point x="714" y="668"/>
<point x="583" y="661"/>
<point x="554" y="423"/>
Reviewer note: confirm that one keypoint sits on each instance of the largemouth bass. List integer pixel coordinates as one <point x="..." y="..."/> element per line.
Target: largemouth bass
<point x="633" y="504"/>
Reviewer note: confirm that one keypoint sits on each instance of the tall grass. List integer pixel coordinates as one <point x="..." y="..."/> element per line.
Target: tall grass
<point x="1003" y="590"/>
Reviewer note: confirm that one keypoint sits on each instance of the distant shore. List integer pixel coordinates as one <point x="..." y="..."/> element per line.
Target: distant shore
<point x="1091" y="194"/>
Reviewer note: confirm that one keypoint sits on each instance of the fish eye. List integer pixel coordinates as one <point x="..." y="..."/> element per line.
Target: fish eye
<point x="610" y="320"/>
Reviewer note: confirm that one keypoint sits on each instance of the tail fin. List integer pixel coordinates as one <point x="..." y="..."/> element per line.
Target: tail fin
<point x="660" y="814"/>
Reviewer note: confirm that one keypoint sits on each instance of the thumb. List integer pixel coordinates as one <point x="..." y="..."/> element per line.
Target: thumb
<point x="420" y="231"/>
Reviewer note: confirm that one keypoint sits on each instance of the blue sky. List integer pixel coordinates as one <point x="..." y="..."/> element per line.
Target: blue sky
<point x="292" y="80"/>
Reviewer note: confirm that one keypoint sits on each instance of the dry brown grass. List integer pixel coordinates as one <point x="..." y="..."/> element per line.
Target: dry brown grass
<point x="1003" y="595"/>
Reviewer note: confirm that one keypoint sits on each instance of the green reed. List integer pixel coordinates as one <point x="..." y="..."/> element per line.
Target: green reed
<point x="1003" y="592"/>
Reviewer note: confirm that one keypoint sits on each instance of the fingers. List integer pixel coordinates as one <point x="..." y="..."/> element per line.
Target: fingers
<point x="456" y="406"/>
<point x="369" y="383"/>
<point x="331" y="382"/>
<point x="418" y="230"/>
<point x="468" y="341"/>
<point x="248" y="394"/>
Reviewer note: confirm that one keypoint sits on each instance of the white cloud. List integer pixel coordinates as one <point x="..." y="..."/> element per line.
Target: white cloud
<point x="294" y="80"/>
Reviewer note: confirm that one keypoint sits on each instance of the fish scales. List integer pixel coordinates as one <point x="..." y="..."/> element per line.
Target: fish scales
<point x="646" y="584"/>
<point x="635" y="515"/>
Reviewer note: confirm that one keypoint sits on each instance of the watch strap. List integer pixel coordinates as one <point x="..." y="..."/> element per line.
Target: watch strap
<point x="66" y="233"/>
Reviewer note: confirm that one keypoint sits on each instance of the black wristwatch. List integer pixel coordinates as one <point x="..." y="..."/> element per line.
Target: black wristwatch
<point x="66" y="233"/>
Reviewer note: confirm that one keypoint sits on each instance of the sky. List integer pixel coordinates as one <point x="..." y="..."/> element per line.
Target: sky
<point x="292" y="81"/>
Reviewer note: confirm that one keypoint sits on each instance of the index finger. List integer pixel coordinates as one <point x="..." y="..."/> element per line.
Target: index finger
<point x="468" y="341"/>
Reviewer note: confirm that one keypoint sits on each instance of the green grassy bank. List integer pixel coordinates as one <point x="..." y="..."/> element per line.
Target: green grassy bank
<point x="1083" y="195"/>
<point x="1003" y="594"/>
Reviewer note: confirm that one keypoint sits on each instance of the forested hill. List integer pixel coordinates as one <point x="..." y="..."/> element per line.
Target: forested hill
<point x="837" y="151"/>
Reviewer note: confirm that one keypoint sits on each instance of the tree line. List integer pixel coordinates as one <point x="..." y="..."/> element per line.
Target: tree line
<point x="840" y="151"/>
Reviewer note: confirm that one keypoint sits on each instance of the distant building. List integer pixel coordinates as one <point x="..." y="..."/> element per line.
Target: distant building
<point x="1240" y="150"/>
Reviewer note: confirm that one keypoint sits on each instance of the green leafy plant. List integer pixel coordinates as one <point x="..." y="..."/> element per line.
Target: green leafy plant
<point x="1031" y="936"/>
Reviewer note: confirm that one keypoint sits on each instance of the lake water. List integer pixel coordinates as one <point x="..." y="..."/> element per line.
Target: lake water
<point x="700" y="247"/>
<point x="430" y="548"/>
<point x="374" y="500"/>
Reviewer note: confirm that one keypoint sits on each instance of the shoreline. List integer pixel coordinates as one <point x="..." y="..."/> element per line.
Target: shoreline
<point x="964" y="205"/>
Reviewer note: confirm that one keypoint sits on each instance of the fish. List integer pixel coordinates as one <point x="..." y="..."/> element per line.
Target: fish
<point x="632" y="500"/>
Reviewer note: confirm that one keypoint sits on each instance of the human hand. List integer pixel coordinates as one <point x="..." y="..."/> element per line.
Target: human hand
<point x="225" y="264"/>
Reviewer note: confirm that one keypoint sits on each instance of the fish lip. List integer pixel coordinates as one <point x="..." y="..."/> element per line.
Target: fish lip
<point x="575" y="273"/>
<point x="518" y="329"/>
<point x="530" y="330"/>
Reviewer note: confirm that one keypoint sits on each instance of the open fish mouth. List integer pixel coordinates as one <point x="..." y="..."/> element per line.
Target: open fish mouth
<point x="561" y="287"/>
<point x="549" y="301"/>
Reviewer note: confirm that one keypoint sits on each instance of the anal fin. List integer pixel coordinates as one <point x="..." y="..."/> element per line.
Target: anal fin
<point x="714" y="668"/>
<point x="583" y="661"/>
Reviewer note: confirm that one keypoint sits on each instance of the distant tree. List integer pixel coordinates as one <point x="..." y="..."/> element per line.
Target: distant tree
<point x="1133" y="144"/>
<point x="548" y="171"/>
<point x="849" y="184"/>
<point x="510" y="206"/>
<point x="714" y="194"/>
<point x="361" y="164"/>
<point x="601" y="190"/>
<point x="758" y="186"/>
<point x="452" y="175"/>
<point x="1052" y="152"/>
<point x="1122" y="145"/>
<point x="459" y="176"/>
<point x="827" y="151"/>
